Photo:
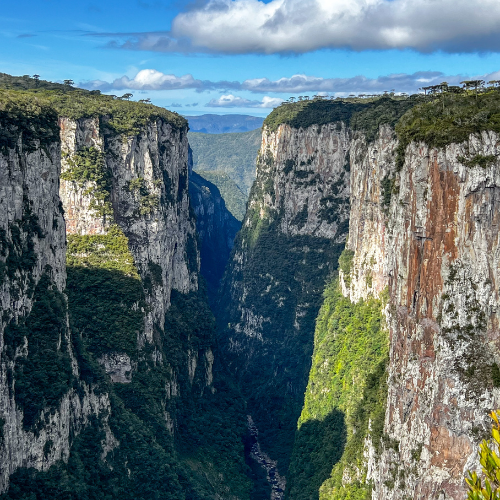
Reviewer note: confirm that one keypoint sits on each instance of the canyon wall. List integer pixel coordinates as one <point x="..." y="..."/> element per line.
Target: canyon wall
<point x="291" y="237"/>
<point x="441" y="268"/>
<point x="107" y="341"/>
<point x="216" y="227"/>
<point x="404" y="367"/>
<point x="420" y="271"/>
<point x="39" y="415"/>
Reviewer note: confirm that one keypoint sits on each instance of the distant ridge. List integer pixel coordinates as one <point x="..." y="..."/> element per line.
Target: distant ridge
<point x="223" y="124"/>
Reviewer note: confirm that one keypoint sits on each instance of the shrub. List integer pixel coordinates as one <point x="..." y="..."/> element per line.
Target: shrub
<point x="488" y="487"/>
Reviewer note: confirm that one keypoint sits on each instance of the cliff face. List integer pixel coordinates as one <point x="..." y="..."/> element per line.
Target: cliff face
<point x="216" y="228"/>
<point x="107" y="382"/>
<point x="291" y="237"/>
<point x="426" y="233"/>
<point x="146" y="194"/>
<point x="405" y="363"/>
<point x="442" y="276"/>
<point x="38" y="417"/>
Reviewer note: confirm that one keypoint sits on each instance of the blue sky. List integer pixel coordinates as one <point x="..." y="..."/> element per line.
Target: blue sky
<point x="244" y="56"/>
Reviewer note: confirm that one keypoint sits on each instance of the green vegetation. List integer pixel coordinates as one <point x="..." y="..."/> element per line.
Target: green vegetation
<point x="305" y="114"/>
<point x="29" y="107"/>
<point x="365" y="115"/>
<point x="109" y="251"/>
<point x="383" y="111"/>
<point x="148" y="202"/>
<point x="233" y="196"/>
<point x="284" y="278"/>
<point x="88" y="166"/>
<point x="439" y="124"/>
<point x="205" y="458"/>
<point x="232" y="154"/>
<point x="483" y="161"/>
<point x="19" y="249"/>
<point x="488" y="487"/>
<point x="105" y="293"/>
<point x="345" y="265"/>
<point x="29" y="116"/>
<point x="179" y="432"/>
<point x="346" y="390"/>
<point x="44" y="375"/>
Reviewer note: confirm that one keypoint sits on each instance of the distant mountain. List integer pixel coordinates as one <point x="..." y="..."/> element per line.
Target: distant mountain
<point x="232" y="154"/>
<point x="223" y="124"/>
<point x="234" y="197"/>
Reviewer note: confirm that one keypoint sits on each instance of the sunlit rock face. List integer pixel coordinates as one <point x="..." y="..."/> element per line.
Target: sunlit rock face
<point x="433" y="241"/>
<point x="149" y="201"/>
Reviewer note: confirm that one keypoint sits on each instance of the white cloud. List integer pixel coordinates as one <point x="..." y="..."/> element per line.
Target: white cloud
<point x="150" y="79"/>
<point x="147" y="79"/>
<point x="231" y="101"/>
<point x="298" y="26"/>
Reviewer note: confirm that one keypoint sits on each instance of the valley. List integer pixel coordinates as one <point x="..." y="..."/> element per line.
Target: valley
<point x="181" y="321"/>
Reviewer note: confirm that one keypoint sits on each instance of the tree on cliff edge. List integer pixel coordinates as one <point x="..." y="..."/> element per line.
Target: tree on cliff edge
<point x="490" y="464"/>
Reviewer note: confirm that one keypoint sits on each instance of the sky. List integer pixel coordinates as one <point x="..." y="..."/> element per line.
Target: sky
<point x="246" y="56"/>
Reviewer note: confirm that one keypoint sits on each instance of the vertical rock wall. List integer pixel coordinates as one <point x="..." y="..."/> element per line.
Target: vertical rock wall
<point x="148" y="198"/>
<point x="291" y="237"/>
<point x="32" y="265"/>
<point x="442" y="263"/>
<point x="216" y="227"/>
<point x="429" y="233"/>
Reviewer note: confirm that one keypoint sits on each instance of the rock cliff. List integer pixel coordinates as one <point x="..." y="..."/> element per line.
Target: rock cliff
<point x="442" y="275"/>
<point x="290" y="240"/>
<point x="107" y="359"/>
<point x="216" y="228"/>
<point x="39" y="413"/>
<point x="418" y="274"/>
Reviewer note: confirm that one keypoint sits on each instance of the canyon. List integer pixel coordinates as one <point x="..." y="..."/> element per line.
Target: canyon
<point x="340" y="342"/>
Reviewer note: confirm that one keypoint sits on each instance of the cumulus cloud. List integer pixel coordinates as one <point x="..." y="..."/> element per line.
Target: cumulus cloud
<point x="231" y="101"/>
<point x="146" y="79"/>
<point x="298" y="26"/>
<point x="150" y="79"/>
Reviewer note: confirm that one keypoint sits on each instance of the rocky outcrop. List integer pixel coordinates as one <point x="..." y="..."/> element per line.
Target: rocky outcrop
<point x="141" y="184"/>
<point x="290" y="240"/>
<point x="37" y="421"/>
<point x="216" y="227"/>
<point x="432" y="241"/>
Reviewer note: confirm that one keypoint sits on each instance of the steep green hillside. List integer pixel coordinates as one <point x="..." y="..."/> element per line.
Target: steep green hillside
<point x="346" y="391"/>
<point x="234" y="197"/>
<point x="233" y="154"/>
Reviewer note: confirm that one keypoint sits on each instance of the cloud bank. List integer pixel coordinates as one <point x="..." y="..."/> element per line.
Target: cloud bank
<point x="299" y="26"/>
<point x="150" y="79"/>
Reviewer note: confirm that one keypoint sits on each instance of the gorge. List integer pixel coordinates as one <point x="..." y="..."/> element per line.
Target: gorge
<point x="342" y="344"/>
